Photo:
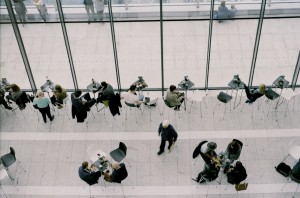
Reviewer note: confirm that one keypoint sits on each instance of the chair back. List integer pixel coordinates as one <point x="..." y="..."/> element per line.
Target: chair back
<point x="130" y="105"/>
<point x="224" y="97"/>
<point x="270" y="94"/>
<point x="152" y="102"/>
<point x="12" y="151"/>
<point x="166" y="103"/>
<point x="122" y="174"/>
<point x="123" y="147"/>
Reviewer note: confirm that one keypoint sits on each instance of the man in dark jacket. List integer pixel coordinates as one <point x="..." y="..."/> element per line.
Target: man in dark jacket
<point x="236" y="174"/>
<point x="168" y="133"/>
<point x="118" y="175"/>
<point x="89" y="175"/>
<point x="296" y="170"/>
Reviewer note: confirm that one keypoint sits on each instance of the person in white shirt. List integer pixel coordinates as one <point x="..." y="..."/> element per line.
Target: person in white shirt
<point x="131" y="97"/>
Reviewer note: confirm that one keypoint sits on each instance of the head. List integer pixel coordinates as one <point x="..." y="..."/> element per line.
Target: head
<point x="262" y="88"/>
<point x="165" y="124"/>
<point x="223" y="3"/>
<point x="40" y="94"/>
<point x="172" y="88"/>
<point x="58" y="88"/>
<point x="232" y="6"/>
<point x="115" y="166"/>
<point x="103" y="84"/>
<point x="238" y="164"/>
<point x="233" y="146"/>
<point x="132" y="87"/>
<point x="14" y="87"/>
<point x="77" y="93"/>
<point x="85" y="165"/>
<point x="211" y="146"/>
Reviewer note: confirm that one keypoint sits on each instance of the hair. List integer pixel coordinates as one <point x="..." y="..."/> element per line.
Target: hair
<point x="223" y="3"/>
<point x="262" y="88"/>
<point x="104" y="84"/>
<point x="58" y="88"/>
<point x="77" y="93"/>
<point x="132" y="87"/>
<point x="115" y="166"/>
<point x="172" y="88"/>
<point x="233" y="146"/>
<point x="212" y="146"/>
<point x="238" y="164"/>
<point x="85" y="164"/>
<point x="14" y="87"/>
<point x="39" y="93"/>
<point x="165" y="123"/>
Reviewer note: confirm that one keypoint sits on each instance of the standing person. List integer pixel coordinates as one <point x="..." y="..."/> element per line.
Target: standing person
<point x="252" y="95"/>
<point x="174" y="97"/>
<point x="41" y="7"/>
<point x="167" y="133"/>
<point x="89" y="7"/>
<point x="99" y="5"/>
<point x="43" y="105"/>
<point x="20" y="10"/>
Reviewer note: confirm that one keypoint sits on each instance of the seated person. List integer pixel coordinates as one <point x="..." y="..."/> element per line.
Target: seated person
<point x="106" y="92"/>
<point x="222" y="11"/>
<point x="14" y="93"/>
<point x="231" y="153"/>
<point x="118" y="175"/>
<point x="3" y="101"/>
<point x="295" y="172"/>
<point x="256" y="93"/>
<point x="131" y="97"/>
<point x="232" y="11"/>
<point x="212" y="164"/>
<point x="89" y="175"/>
<point x="83" y="103"/>
<point x="59" y="95"/>
<point x="236" y="174"/>
<point x="174" y="98"/>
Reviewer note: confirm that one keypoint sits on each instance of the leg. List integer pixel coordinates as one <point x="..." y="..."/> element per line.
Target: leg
<point x="162" y="145"/>
<point x="87" y="11"/>
<point x="43" y="114"/>
<point x="248" y="93"/>
<point x="170" y="143"/>
<point x="47" y="111"/>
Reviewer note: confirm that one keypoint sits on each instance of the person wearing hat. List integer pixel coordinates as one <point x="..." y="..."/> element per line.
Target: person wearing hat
<point x="167" y="133"/>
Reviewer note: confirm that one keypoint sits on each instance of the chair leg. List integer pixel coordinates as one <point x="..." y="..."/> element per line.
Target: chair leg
<point x="296" y="191"/>
<point x="128" y="162"/>
<point x="285" y="184"/>
<point x="90" y="192"/>
<point x="3" y="191"/>
<point x="224" y="111"/>
<point x="122" y="190"/>
<point x="19" y="163"/>
<point x="9" y="174"/>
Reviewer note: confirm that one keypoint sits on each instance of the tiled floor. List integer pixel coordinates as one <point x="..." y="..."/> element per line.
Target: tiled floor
<point x="51" y="153"/>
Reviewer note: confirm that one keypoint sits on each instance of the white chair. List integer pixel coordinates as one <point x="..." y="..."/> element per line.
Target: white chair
<point x="153" y="103"/>
<point x="287" y="96"/>
<point x="3" y="174"/>
<point x="197" y="96"/>
<point x="64" y="107"/>
<point x="294" y="150"/>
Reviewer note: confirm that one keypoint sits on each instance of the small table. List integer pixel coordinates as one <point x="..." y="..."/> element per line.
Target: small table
<point x="48" y="86"/>
<point x="236" y="86"/>
<point x="94" y="87"/>
<point x="186" y="84"/>
<point x="100" y="161"/>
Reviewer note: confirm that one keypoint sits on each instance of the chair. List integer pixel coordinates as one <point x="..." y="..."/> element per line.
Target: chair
<point x="3" y="174"/>
<point x="135" y="110"/>
<point x="9" y="159"/>
<point x="287" y="96"/>
<point x="292" y="178"/>
<point x="152" y="103"/>
<point x="271" y="95"/>
<point x="294" y="150"/>
<point x="120" y="153"/>
<point x="64" y="106"/>
<point x="224" y="98"/>
<point x="197" y="96"/>
<point x="105" y="104"/>
<point x="170" y="107"/>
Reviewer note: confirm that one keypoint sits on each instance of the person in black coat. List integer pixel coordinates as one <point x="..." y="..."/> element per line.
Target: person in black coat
<point x="89" y="175"/>
<point x="118" y="175"/>
<point x="80" y="106"/>
<point x="167" y="133"/>
<point x="296" y="170"/>
<point x="237" y="174"/>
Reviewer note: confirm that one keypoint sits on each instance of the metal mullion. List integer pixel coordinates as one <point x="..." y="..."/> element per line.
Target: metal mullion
<point x="296" y="73"/>
<point x="209" y="43"/>
<point x="161" y="47"/>
<point x="257" y="40"/>
<point x="67" y="43"/>
<point x="111" y="19"/>
<point x="20" y="44"/>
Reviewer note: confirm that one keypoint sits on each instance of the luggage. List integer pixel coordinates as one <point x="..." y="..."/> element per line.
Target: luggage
<point x="243" y="186"/>
<point x="283" y="169"/>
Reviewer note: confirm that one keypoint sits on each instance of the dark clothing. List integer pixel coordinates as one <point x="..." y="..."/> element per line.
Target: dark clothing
<point x="44" y="112"/>
<point x="3" y="101"/>
<point x="89" y="177"/>
<point x="106" y="93"/>
<point x="115" y="104"/>
<point x="119" y="175"/>
<point x="79" y="115"/>
<point x="167" y="134"/>
<point x="77" y="102"/>
<point x="237" y="175"/>
<point x="252" y="95"/>
<point x="296" y="170"/>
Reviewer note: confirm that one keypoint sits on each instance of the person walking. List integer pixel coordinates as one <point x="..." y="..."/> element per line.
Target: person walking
<point x="20" y="10"/>
<point x="41" y="7"/>
<point x="99" y="5"/>
<point x="167" y="133"/>
<point x="43" y="105"/>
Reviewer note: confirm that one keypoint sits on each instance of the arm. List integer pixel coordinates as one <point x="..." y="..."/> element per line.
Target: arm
<point x="159" y="129"/>
<point x="174" y="133"/>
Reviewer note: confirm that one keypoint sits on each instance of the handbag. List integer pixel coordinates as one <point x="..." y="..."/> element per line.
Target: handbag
<point x="243" y="186"/>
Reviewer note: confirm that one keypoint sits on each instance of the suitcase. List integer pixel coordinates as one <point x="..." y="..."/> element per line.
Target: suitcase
<point x="283" y="169"/>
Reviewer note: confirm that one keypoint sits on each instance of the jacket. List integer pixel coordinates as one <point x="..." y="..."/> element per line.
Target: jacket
<point x="79" y="115"/>
<point x="173" y="98"/>
<point x="89" y="176"/>
<point x="115" y="104"/>
<point x="120" y="174"/>
<point x="168" y="133"/>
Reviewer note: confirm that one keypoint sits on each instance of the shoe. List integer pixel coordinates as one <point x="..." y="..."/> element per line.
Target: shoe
<point x="60" y="106"/>
<point x="52" y="118"/>
<point x="177" y="109"/>
<point x="9" y="108"/>
<point x="45" y="121"/>
<point x="9" y="102"/>
<point x="159" y="152"/>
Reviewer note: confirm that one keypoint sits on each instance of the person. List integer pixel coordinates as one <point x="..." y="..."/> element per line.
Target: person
<point x="41" y="7"/>
<point x="89" y="175"/>
<point x="236" y="174"/>
<point x="232" y="11"/>
<point x="212" y="163"/>
<point x="82" y="103"/>
<point x="106" y="92"/>
<point x="3" y="101"/>
<point x="43" y="105"/>
<point x="89" y="7"/>
<point x="295" y="172"/>
<point x="254" y="94"/>
<point x="167" y="133"/>
<point x="99" y="5"/>
<point x="222" y="12"/>
<point x="118" y="175"/>
<point x="232" y="153"/>
<point x="174" y="98"/>
<point x="20" y="10"/>
<point x="14" y="93"/>
<point x="131" y="97"/>
<point x="59" y="94"/>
